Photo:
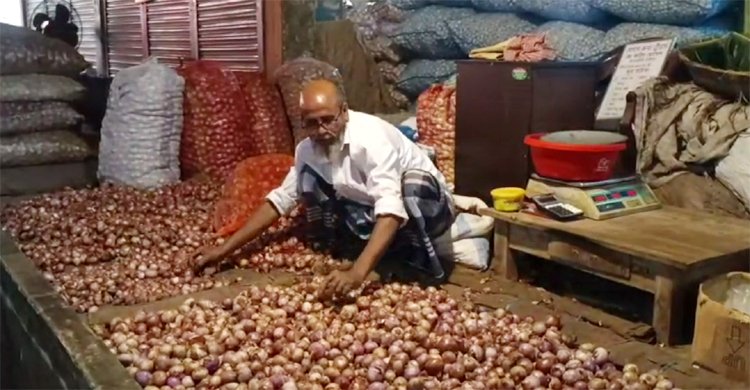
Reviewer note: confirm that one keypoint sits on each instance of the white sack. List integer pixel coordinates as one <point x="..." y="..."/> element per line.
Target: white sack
<point x="734" y="169"/>
<point x="140" y="136"/>
<point x="468" y="240"/>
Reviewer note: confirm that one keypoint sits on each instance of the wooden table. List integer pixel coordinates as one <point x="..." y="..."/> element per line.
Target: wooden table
<point x="664" y="252"/>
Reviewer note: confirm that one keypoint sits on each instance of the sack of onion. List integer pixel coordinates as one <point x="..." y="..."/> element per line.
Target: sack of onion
<point x="56" y="146"/>
<point x="269" y="131"/>
<point x="436" y="123"/>
<point x="140" y="135"/>
<point x="246" y="189"/>
<point x="39" y="88"/>
<point x="392" y="336"/>
<point x="29" y="117"/>
<point x="421" y="74"/>
<point x="291" y="79"/>
<point x="216" y="132"/>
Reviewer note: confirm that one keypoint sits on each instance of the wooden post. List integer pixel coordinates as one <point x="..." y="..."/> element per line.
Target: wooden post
<point x="669" y="310"/>
<point x="272" y="36"/>
<point x="504" y="262"/>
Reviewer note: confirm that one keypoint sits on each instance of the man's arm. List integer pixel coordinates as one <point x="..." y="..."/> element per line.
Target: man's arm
<point x="381" y="238"/>
<point x="279" y="202"/>
<point x="258" y="222"/>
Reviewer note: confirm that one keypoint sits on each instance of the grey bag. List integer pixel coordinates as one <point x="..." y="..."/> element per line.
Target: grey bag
<point x="681" y="12"/>
<point x="580" y="11"/>
<point x="29" y="117"/>
<point x="47" y="147"/>
<point x="421" y="74"/>
<point x="573" y="41"/>
<point x="626" y="33"/>
<point x="483" y="30"/>
<point x="141" y="130"/>
<point x="26" y="51"/>
<point x="39" y="88"/>
<point x="425" y="34"/>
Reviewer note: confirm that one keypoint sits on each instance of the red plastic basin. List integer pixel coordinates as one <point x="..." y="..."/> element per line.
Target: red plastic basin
<point x="571" y="162"/>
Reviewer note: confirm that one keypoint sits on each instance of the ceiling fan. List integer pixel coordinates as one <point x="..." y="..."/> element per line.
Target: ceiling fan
<point x="57" y="19"/>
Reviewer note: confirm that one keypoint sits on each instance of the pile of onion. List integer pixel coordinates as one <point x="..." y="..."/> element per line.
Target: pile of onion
<point x="394" y="336"/>
<point x="121" y="246"/>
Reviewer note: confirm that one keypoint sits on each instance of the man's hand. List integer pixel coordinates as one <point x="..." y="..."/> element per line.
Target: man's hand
<point x="206" y="257"/>
<point x="340" y="282"/>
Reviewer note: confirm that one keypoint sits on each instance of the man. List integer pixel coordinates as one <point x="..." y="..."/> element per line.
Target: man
<point x="356" y="172"/>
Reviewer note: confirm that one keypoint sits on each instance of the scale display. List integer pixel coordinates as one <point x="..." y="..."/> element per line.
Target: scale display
<point x="621" y="197"/>
<point x="602" y="200"/>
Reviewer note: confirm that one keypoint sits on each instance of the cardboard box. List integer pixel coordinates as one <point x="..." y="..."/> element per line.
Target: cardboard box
<point x="721" y="341"/>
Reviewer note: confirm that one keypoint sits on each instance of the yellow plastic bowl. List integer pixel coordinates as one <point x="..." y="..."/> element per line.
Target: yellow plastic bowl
<point x="508" y="198"/>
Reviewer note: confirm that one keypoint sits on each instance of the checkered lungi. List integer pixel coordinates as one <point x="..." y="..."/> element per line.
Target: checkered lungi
<point x="426" y="201"/>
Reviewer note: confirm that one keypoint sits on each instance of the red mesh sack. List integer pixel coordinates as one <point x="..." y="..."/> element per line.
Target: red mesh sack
<point x="270" y="132"/>
<point x="436" y="121"/>
<point x="215" y="135"/>
<point x="246" y="189"/>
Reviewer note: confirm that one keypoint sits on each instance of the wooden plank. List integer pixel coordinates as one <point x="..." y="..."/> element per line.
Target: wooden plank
<point x="676" y="237"/>
<point x="273" y="30"/>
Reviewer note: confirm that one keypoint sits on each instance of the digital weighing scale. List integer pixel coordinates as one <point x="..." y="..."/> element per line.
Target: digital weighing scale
<point x="598" y="200"/>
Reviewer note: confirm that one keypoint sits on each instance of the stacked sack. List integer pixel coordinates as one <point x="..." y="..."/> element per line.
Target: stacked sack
<point x="38" y="125"/>
<point x="376" y="22"/>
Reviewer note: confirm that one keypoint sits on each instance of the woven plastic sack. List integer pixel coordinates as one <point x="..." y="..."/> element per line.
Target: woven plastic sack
<point x="215" y="135"/>
<point x="496" y="5"/>
<point x="391" y="73"/>
<point x="421" y="74"/>
<point x="625" y="33"/>
<point x="141" y="130"/>
<point x="679" y="12"/>
<point x="484" y="30"/>
<point x="381" y="49"/>
<point x="38" y="88"/>
<point x="408" y="4"/>
<point x="436" y="123"/>
<point x="291" y="79"/>
<point x="49" y="147"/>
<point x="573" y="41"/>
<point x="579" y="11"/>
<point x="376" y="18"/>
<point x="402" y="101"/>
<point x="247" y="188"/>
<point x="425" y="34"/>
<point x="269" y="131"/>
<point x="26" y="51"/>
<point x="29" y="117"/>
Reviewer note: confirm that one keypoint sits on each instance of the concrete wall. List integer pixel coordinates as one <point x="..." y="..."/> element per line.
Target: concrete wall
<point x="44" y="344"/>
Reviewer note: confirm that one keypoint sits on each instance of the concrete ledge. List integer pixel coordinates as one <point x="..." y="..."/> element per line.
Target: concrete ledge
<point x="49" y="344"/>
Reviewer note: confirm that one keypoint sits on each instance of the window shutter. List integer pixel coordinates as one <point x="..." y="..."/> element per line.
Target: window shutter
<point x="88" y="45"/>
<point x="230" y="32"/>
<point x="169" y="30"/>
<point x="126" y="43"/>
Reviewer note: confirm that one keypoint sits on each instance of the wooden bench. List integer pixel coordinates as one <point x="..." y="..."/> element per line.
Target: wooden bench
<point x="665" y="252"/>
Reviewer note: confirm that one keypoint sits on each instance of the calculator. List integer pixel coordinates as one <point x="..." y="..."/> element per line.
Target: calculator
<point x="557" y="209"/>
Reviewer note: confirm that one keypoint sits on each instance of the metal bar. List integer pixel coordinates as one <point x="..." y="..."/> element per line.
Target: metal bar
<point x="144" y="30"/>
<point x="194" y="43"/>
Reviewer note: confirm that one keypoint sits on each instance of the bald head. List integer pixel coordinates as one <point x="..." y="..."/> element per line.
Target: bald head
<point x="324" y="111"/>
<point x="320" y="95"/>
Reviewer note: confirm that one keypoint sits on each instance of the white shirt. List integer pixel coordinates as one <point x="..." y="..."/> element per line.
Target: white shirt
<point x="366" y="168"/>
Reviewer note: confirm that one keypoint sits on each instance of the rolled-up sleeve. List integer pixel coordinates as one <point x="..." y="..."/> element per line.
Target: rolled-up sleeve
<point x="285" y="197"/>
<point x="384" y="180"/>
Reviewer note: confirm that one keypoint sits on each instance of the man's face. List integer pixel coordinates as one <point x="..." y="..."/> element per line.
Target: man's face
<point x="324" y="125"/>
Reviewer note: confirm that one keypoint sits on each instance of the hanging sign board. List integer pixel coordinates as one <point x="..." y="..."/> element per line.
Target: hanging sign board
<point x="638" y="63"/>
